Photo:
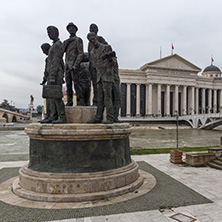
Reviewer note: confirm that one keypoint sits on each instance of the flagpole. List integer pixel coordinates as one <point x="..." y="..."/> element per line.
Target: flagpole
<point x="160" y="52"/>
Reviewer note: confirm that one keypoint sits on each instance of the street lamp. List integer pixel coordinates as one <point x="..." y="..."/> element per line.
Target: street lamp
<point x="177" y="129"/>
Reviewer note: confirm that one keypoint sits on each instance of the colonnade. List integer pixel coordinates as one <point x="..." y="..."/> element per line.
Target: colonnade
<point x="181" y="99"/>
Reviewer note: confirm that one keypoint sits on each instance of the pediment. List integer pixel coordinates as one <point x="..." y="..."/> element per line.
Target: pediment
<point x="172" y="62"/>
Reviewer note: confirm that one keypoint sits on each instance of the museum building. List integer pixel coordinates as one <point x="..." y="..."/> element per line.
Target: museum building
<point x="168" y="86"/>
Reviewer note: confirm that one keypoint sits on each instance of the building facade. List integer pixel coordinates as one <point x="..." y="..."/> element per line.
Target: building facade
<point x="167" y="87"/>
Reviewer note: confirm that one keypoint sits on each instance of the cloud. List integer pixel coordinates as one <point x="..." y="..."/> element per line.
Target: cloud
<point x="135" y="29"/>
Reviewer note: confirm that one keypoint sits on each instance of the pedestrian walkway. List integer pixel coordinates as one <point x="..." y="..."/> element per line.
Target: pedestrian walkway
<point x="204" y="180"/>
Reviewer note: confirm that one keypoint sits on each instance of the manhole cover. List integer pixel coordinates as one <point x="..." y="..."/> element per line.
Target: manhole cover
<point x="182" y="218"/>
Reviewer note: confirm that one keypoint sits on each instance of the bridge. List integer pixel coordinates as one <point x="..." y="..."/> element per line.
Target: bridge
<point x="9" y="116"/>
<point x="200" y="121"/>
<point x="204" y="121"/>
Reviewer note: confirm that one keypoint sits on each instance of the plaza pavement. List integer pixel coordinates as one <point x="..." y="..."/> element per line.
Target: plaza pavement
<point x="204" y="180"/>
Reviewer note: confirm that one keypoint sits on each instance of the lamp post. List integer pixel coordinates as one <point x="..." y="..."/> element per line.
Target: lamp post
<point x="177" y="129"/>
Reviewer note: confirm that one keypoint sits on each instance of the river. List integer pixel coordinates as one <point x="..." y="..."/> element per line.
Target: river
<point x="17" y="142"/>
<point x="142" y="138"/>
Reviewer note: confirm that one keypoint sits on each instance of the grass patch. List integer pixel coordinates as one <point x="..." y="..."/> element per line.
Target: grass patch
<point x="167" y="150"/>
<point x="202" y="154"/>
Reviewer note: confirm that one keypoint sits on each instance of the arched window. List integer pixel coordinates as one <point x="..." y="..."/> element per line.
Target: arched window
<point x="5" y="116"/>
<point x="14" y="119"/>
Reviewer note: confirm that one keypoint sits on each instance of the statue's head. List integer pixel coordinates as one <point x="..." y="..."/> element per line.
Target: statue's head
<point x="93" y="28"/>
<point x="72" y="28"/>
<point x="93" y="39"/>
<point x="53" y="32"/>
<point x="45" y="48"/>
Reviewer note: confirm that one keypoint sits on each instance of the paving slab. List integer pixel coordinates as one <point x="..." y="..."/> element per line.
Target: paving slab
<point x="167" y="193"/>
<point x="205" y="181"/>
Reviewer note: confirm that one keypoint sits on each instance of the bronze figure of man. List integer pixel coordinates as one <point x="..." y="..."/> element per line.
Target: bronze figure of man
<point x="92" y="69"/>
<point x="73" y="49"/>
<point x="45" y="49"/>
<point x="103" y="59"/>
<point x="55" y="70"/>
<point x="116" y="92"/>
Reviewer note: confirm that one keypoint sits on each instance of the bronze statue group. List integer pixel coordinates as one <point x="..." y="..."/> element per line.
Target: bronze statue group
<point x="98" y="66"/>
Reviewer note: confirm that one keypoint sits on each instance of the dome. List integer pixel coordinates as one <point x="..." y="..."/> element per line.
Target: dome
<point x="211" y="68"/>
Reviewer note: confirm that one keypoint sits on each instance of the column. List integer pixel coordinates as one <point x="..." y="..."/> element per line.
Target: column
<point x="128" y="100"/>
<point x="184" y="101"/>
<point x="149" y="101"/>
<point x="220" y="100"/>
<point x="137" y="99"/>
<point x="203" y="101"/>
<point x="192" y="101"/>
<point x="147" y="96"/>
<point x="197" y="100"/>
<point x="159" y="100"/>
<point x="176" y="103"/>
<point x="215" y="101"/>
<point x="209" y="107"/>
<point x="150" y="107"/>
<point x="167" y="100"/>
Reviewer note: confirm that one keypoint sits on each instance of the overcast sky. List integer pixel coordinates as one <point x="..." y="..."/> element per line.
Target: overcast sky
<point x="136" y="29"/>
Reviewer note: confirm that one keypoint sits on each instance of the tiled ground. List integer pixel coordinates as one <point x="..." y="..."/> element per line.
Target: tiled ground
<point x="206" y="181"/>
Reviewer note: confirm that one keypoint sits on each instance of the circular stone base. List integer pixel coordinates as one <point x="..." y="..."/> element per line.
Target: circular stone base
<point x="7" y="196"/>
<point x="71" y="187"/>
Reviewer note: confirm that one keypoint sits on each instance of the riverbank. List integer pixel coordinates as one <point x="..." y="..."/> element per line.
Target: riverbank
<point x="12" y="126"/>
<point x="141" y="151"/>
<point x="159" y="127"/>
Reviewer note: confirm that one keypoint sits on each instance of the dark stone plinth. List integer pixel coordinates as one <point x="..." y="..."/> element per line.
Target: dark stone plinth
<point x="78" y="148"/>
<point x="78" y="156"/>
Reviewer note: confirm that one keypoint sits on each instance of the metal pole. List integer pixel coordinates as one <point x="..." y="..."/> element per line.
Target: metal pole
<point x="177" y="133"/>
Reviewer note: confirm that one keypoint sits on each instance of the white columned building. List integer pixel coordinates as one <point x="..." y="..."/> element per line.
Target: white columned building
<point x="170" y="85"/>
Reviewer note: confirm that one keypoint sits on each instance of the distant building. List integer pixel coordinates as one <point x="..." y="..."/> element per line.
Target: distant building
<point x="11" y="108"/>
<point x="211" y="71"/>
<point x="168" y="86"/>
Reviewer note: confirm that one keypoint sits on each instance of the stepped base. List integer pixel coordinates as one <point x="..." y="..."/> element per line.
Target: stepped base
<point x="77" y="162"/>
<point x="58" y="187"/>
<point x="217" y="163"/>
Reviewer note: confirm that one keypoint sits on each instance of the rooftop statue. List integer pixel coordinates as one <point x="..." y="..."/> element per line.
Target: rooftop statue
<point x="31" y="99"/>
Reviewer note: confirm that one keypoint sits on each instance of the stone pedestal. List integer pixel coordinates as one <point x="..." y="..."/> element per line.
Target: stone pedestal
<point x="80" y="114"/>
<point x="77" y="162"/>
<point x="198" y="159"/>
